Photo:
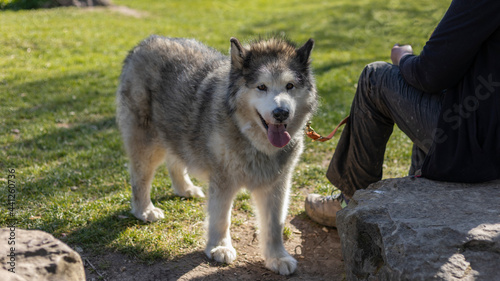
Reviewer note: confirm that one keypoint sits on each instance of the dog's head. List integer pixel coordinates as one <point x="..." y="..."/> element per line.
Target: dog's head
<point x="272" y="91"/>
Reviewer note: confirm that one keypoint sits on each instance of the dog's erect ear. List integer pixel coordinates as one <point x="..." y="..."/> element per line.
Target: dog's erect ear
<point x="304" y="52"/>
<point x="238" y="53"/>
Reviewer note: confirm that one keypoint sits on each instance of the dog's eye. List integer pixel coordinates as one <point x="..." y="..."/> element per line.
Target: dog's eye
<point x="289" y="86"/>
<point x="262" y="87"/>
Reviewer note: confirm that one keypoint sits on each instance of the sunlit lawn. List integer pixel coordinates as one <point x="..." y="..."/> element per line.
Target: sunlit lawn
<point x="59" y="70"/>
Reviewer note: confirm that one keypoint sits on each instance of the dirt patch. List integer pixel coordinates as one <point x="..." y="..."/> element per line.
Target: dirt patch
<point x="316" y="248"/>
<point x="126" y="11"/>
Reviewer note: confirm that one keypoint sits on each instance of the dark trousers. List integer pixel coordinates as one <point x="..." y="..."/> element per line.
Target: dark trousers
<point x="383" y="98"/>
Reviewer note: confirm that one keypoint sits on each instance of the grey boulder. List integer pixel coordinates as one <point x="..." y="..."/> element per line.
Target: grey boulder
<point x="418" y="229"/>
<point x="37" y="255"/>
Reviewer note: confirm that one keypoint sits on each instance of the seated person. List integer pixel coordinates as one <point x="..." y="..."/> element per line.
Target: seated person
<point x="446" y="100"/>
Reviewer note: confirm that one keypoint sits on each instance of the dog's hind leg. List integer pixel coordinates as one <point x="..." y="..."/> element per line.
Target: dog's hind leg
<point x="272" y="203"/>
<point x="145" y="157"/>
<point x="181" y="183"/>
<point x="220" y="201"/>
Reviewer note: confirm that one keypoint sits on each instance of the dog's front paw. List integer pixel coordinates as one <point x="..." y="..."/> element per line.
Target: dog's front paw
<point x="222" y="254"/>
<point x="285" y="265"/>
<point x="150" y="214"/>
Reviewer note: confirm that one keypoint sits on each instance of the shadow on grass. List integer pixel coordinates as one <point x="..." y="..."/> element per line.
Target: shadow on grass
<point x="53" y="98"/>
<point x="96" y="234"/>
<point x="119" y="230"/>
<point x="67" y="136"/>
<point x="82" y="155"/>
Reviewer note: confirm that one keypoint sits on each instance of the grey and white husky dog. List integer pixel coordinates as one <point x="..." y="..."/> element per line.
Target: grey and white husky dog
<point x="235" y="120"/>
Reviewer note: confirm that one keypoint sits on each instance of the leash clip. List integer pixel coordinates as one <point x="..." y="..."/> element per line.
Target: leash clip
<point x="312" y="134"/>
<point x="317" y="137"/>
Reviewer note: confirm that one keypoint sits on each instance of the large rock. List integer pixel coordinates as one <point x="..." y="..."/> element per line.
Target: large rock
<point x="37" y="255"/>
<point x="417" y="229"/>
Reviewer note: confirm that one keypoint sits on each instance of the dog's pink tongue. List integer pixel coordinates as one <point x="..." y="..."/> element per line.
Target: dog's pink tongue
<point x="277" y="135"/>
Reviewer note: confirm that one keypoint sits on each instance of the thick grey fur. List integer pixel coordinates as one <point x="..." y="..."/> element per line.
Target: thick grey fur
<point x="186" y="104"/>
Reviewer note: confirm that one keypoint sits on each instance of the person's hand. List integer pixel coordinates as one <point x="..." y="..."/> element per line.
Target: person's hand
<point x="398" y="52"/>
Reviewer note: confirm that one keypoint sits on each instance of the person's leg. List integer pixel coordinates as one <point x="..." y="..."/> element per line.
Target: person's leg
<point x="382" y="98"/>
<point x="417" y="160"/>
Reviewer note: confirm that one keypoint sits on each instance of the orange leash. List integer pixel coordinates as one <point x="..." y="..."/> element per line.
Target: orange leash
<point x="317" y="137"/>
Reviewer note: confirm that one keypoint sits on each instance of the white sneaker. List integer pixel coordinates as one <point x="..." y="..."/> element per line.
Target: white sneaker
<point x="323" y="209"/>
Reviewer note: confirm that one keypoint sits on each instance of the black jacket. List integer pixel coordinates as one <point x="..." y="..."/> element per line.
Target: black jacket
<point x="462" y="61"/>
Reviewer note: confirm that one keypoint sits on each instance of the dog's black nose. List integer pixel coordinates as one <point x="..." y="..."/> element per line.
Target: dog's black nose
<point x="281" y="114"/>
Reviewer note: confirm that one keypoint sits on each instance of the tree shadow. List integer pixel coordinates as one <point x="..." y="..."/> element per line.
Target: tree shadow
<point x="73" y="141"/>
<point x="77" y="92"/>
<point x="68" y="154"/>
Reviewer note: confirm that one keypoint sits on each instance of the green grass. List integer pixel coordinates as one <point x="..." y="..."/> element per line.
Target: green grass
<point x="59" y="70"/>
